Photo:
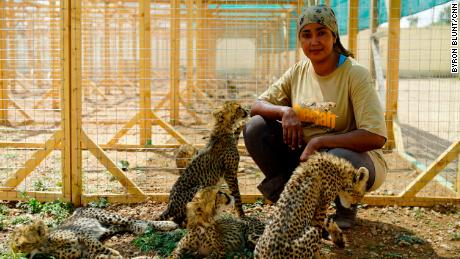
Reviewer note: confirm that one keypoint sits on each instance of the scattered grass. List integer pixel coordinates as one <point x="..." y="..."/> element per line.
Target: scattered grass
<point x="10" y="156"/>
<point x="24" y="219"/>
<point x="455" y="236"/>
<point x="3" y="210"/>
<point x="408" y="239"/>
<point x="12" y="255"/>
<point x="123" y="164"/>
<point x="394" y="254"/>
<point x="39" y="186"/>
<point x="161" y="242"/>
<point x="102" y="202"/>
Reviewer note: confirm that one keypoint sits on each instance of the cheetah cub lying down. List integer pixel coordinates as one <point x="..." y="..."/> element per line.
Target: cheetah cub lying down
<point x="79" y="236"/>
<point x="299" y="215"/>
<point x="212" y="235"/>
<point x="218" y="159"/>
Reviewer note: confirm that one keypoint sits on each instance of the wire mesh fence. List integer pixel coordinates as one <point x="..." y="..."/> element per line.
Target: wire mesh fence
<point x="149" y="74"/>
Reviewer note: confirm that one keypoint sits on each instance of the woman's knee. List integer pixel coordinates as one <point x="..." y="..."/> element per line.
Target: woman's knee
<point x="254" y="127"/>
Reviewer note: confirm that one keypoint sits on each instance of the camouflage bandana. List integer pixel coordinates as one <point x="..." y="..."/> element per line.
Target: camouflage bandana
<point x="321" y="14"/>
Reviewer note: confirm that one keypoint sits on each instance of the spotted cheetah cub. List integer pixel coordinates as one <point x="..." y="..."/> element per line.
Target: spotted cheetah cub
<point x="79" y="235"/>
<point x="299" y="214"/>
<point x="211" y="234"/>
<point x="218" y="159"/>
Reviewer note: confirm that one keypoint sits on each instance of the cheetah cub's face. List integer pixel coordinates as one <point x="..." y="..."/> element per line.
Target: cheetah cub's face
<point x="354" y="191"/>
<point x="29" y="238"/>
<point x="230" y="112"/>
<point x="208" y="203"/>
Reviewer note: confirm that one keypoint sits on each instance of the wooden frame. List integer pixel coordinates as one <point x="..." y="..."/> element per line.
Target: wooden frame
<point x="353" y="26"/>
<point x="71" y="140"/>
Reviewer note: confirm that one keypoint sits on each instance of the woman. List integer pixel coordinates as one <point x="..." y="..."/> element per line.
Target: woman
<point x="324" y="103"/>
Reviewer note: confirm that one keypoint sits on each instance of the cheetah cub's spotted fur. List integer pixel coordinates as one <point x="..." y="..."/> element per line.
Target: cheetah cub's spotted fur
<point x="79" y="235"/>
<point x="218" y="159"/>
<point x="211" y="234"/>
<point x="299" y="215"/>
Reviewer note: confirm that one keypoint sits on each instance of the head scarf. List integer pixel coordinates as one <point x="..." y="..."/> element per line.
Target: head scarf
<point x="323" y="15"/>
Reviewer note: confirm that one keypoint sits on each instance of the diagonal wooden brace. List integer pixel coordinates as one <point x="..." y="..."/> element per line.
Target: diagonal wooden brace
<point x="51" y="144"/>
<point x="422" y="180"/>
<point x="102" y="157"/>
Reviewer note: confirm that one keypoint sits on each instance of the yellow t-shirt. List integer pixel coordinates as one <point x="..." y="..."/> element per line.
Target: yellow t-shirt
<point x="340" y="102"/>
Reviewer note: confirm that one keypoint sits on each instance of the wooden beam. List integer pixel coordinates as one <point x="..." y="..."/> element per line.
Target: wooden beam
<point x="55" y="54"/>
<point x="179" y="137"/>
<point x="373" y="24"/>
<point x="392" y="82"/>
<point x="75" y="98"/>
<point x="145" y="123"/>
<point x="174" y="68"/>
<point x="3" y="67"/>
<point x="102" y="157"/>
<point x="67" y="164"/>
<point x="440" y="163"/>
<point x="353" y="26"/>
<point x="300" y="5"/>
<point x="124" y="129"/>
<point x="19" y="195"/>
<point x="458" y="177"/>
<point x="34" y="161"/>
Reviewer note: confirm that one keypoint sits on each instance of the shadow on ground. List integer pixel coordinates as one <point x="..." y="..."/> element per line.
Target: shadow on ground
<point x="374" y="239"/>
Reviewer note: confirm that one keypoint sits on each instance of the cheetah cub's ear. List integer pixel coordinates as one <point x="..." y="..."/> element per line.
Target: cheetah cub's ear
<point x="357" y="190"/>
<point x="361" y="176"/>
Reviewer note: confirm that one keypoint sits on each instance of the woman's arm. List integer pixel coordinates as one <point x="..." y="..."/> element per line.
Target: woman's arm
<point x="292" y="127"/>
<point x="358" y="140"/>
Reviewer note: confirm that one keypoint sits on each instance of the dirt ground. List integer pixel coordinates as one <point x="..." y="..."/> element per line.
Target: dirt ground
<point x="380" y="232"/>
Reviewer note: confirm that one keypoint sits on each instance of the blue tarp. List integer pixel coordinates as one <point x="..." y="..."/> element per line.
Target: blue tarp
<point x="340" y="7"/>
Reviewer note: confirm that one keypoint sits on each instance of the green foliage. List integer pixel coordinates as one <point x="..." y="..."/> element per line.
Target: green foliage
<point x="408" y="239"/>
<point x="123" y="164"/>
<point x="455" y="236"/>
<point x="102" y="202"/>
<point x="394" y="254"/>
<point x="161" y="242"/>
<point x="39" y="185"/>
<point x="21" y="220"/>
<point x="3" y="209"/>
<point x="3" y="222"/>
<point x="58" y="209"/>
<point x="10" y="156"/>
<point x="12" y="255"/>
<point x="32" y="205"/>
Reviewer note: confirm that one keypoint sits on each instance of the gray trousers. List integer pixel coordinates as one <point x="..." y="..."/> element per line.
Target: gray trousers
<point x="264" y="141"/>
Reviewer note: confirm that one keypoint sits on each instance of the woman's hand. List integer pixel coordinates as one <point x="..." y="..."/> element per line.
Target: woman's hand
<point x="292" y="129"/>
<point x="313" y="145"/>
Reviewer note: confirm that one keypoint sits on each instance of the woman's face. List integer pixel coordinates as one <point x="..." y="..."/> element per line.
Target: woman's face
<point x="317" y="42"/>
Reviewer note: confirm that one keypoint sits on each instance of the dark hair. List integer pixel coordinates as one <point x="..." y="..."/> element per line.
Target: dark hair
<point x="339" y="48"/>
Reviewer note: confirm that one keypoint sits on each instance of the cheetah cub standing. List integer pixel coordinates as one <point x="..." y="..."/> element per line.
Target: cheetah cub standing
<point x="218" y="159"/>
<point x="79" y="235"/>
<point x="211" y="234"/>
<point x="299" y="215"/>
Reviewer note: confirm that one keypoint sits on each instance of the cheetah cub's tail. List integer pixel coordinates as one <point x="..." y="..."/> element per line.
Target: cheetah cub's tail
<point x="141" y="226"/>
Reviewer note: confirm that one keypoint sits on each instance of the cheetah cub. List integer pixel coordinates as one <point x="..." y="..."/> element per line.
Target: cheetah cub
<point x="218" y="159"/>
<point x="211" y="234"/>
<point x="79" y="235"/>
<point x="299" y="214"/>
